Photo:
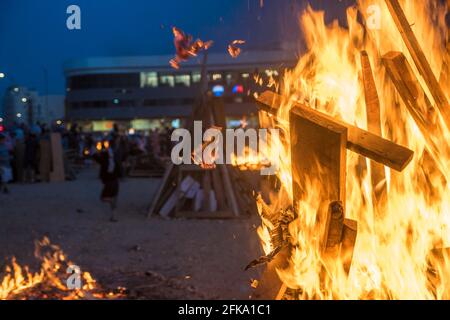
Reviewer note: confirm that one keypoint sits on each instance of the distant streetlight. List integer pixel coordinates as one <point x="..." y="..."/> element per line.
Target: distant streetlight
<point x="16" y="89"/>
<point x="24" y="100"/>
<point x="1" y="120"/>
<point x="19" y="115"/>
<point x="2" y="75"/>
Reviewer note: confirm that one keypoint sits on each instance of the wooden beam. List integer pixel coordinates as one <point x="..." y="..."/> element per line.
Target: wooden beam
<point x="378" y="175"/>
<point x="359" y="141"/>
<point x="418" y="105"/>
<point x="444" y="79"/>
<point x="334" y="225"/>
<point x="349" y="234"/>
<point x="419" y="58"/>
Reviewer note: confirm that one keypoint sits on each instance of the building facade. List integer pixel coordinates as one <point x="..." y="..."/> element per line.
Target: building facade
<point x="24" y="105"/>
<point x="138" y="91"/>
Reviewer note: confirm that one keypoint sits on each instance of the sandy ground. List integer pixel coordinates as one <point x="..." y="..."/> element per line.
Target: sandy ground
<point x="154" y="258"/>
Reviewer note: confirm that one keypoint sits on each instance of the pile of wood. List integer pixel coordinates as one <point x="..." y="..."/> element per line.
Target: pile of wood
<point x="203" y="192"/>
<point x="319" y="145"/>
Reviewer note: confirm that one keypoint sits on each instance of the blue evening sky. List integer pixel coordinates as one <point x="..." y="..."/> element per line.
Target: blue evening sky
<point x="34" y="37"/>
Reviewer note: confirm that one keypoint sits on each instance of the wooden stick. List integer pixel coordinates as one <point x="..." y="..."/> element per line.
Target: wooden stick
<point x="418" y="106"/>
<point x="335" y="225"/>
<point x="349" y="235"/>
<point x="162" y="187"/>
<point x="359" y="141"/>
<point x="378" y="175"/>
<point x="419" y="59"/>
<point x="444" y="79"/>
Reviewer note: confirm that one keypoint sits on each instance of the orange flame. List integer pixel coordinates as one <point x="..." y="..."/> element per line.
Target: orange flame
<point x="392" y="253"/>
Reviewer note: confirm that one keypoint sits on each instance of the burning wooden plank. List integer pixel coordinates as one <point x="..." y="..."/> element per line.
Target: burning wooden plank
<point x="319" y="156"/>
<point x="349" y="234"/>
<point x="444" y="79"/>
<point x="334" y="225"/>
<point x="378" y="175"/>
<point x="319" y="162"/>
<point x="417" y="104"/>
<point x="340" y="238"/>
<point x="419" y="58"/>
<point x="360" y="141"/>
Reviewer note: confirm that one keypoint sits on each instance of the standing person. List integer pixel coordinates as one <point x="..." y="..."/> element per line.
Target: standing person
<point x="31" y="157"/>
<point x="109" y="174"/>
<point x="5" y="168"/>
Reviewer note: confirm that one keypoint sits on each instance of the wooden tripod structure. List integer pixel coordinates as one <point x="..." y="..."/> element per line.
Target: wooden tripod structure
<point x="175" y="186"/>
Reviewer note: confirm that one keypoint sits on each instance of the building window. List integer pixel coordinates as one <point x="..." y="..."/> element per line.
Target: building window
<point x="167" y="80"/>
<point x="216" y="77"/>
<point x="183" y="80"/>
<point x="271" y="73"/>
<point x="245" y="75"/>
<point x="149" y="79"/>
<point x="196" y="77"/>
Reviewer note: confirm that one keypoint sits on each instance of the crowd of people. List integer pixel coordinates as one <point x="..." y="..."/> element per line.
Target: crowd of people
<point x="26" y="154"/>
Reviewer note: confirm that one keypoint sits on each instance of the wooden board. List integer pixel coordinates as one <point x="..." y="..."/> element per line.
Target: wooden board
<point x="349" y="234"/>
<point x="419" y="58"/>
<point x="57" y="174"/>
<point x="168" y="174"/>
<point x="318" y="160"/>
<point x="360" y="141"/>
<point x="418" y="105"/>
<point x="377" y="172"/>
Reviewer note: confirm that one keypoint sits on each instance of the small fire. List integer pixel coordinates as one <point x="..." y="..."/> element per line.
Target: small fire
<point x="50" y="282"/>
<point x="396" y="245"/>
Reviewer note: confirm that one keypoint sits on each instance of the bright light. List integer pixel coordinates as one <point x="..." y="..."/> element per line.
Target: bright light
<point x="238" y="89"/>
<point x="176" y="123"/>
<point x="16" y="89"/>
<point x="2" y="75"/>
<point x="19" y="115"/>
<point x="24" y="100"/>
<point x="59" y="122"/>
<point x="218" y="90"/>
<point x="1" y="119"/>
<point x="116" y="101"/>
<point x="131" y="131"/>
<point x="217" y="76"/>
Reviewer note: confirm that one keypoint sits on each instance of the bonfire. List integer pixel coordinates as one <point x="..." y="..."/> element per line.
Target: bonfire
<point x="361" y="225"/>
